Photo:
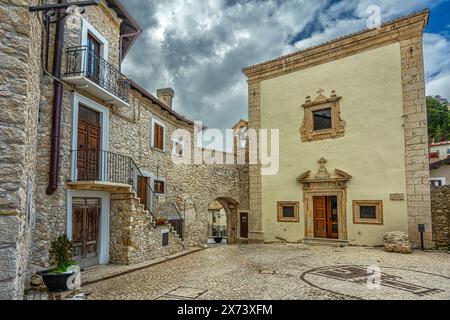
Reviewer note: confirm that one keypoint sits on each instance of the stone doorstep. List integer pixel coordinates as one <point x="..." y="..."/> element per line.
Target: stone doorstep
<point x="325" y="242"/>
<point x="110" y="271"/>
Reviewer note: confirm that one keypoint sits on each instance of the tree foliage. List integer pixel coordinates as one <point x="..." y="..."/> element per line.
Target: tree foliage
<point x="438" y="119"/>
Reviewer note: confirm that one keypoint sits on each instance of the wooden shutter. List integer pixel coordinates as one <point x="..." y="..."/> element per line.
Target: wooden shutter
<point x="161" y="138"/>
<point x="158" y="136"/>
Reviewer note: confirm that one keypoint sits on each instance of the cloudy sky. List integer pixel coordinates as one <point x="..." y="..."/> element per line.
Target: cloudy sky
<point x="198" y="47"/>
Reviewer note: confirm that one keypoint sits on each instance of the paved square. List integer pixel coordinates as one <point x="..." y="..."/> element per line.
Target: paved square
<point x="262" y="272"/>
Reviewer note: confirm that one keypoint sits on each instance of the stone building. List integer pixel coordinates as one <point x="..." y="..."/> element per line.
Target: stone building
<point x="87" y="152"/>
<point x="352" y="121"/>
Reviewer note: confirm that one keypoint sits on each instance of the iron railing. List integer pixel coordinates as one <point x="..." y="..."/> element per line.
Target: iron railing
<point x="82" y="61"/>
<point x="178" y="224"/>
<point x="105" y="166"/>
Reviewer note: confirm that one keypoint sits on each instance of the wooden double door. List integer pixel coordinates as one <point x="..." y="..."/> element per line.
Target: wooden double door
<point x="86" y="230"/>
<point x="326" y="224"/>
<point x="89" y="144"/>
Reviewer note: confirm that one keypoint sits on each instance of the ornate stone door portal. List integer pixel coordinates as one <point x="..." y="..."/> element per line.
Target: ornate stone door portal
<point x="319" y="193"/>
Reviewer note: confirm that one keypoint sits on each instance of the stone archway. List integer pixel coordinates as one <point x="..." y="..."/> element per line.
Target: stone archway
<point x="231" y="209"/>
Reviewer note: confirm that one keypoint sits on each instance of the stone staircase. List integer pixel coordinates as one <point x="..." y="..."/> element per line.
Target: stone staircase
<point x="135" y="235"/>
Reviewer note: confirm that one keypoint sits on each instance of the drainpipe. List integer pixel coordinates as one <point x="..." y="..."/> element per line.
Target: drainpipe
<point x="57" y="103"/>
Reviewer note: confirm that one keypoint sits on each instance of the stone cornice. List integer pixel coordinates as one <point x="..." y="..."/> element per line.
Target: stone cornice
<point x="398" y="30"/>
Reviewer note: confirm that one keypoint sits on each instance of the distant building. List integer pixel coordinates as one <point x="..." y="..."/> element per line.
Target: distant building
<point x="440" y="173"/>
<point x="439" y="151"/>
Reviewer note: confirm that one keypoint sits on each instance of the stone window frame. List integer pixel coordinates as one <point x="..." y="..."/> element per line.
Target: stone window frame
<point x="321" y="102"/>
<point x="152" y="137"/>
<point x="282" y="204"/>
<point x="378" y="204"/>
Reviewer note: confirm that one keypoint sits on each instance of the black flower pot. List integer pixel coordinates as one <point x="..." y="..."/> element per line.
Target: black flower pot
<point x="218" y="239"/>
<point x="57" y="282"/>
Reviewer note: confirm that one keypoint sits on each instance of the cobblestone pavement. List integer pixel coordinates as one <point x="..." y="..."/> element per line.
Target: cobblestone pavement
<point x="260" y="272"/>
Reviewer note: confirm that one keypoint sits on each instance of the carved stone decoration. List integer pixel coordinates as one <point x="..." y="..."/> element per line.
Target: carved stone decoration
<point x="323" y="178"/>
<point x="323" y="172"/>
<point x="321" y="102"/>
<point x="324" y="184"/>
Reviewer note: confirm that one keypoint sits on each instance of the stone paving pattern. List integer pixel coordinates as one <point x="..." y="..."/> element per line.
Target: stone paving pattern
<point x="262" y="272"/>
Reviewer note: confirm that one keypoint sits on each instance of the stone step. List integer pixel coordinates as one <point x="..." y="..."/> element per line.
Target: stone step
<point x="325" y="242"/>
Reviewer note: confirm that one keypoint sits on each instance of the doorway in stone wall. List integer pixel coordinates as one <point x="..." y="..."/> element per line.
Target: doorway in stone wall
<point x="222" y="221"/>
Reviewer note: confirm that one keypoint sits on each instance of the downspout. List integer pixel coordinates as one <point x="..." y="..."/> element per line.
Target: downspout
<point x="57" y="105"/>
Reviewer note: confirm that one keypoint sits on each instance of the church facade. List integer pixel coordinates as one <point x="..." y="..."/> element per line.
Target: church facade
<point x="352" y="121"/>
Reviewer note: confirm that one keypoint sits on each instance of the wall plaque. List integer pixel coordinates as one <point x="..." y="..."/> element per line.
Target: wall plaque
<point x="397" y="196"/>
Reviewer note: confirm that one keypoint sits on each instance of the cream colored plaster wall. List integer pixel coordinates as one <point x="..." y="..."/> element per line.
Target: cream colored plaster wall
<point x="372" y="151"/>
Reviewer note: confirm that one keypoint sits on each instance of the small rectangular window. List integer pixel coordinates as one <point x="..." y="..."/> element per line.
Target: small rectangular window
<point x="322" y="120"/>
<point x="159" y="187"/>
<point x="288" y="211"/>
<point x="368" y="212"/>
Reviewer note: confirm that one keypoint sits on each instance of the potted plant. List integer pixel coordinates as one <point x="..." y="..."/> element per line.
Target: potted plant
<point x="57" y="279"/>
<point x="218" y="238"/>
<point x="161" y="222"/>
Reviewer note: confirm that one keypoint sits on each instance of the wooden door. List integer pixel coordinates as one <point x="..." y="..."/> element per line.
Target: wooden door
<point x="88" y="153"/>
<point x="320" y="217"/>
<point x="244" y="225"/>
<point x="142" y="188"/>
<point x="332" y="218"/>
<point x="86" y="230"/>
<point x="326" y="224"/>
<point x="93" y="59"/>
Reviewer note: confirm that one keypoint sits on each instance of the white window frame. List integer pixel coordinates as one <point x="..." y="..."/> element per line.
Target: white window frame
<point x="78" y="99"/>
<point x="104" y="46"/>
<point x="441" y="179"/>
<point x="88" y="28"/>
<point x="162" y="124"/>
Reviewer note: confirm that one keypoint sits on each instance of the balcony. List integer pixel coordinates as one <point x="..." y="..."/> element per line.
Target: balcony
<point x="98" y="170"/>
<point x="90" y="72"/>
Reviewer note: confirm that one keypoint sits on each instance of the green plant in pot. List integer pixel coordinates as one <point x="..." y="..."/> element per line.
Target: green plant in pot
<point x="62" y="276"/>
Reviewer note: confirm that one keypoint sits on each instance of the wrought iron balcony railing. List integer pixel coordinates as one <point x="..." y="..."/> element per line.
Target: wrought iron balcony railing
<point x="82" y="61"/>
<point x="105" y="166"/>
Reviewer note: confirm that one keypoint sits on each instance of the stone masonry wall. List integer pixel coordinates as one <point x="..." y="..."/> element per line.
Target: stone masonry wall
<point x="51" y="210"/>
<point x="255" y="182"/>
<point x="193" y="186"/>
<point x="440" y="211"/>
<point x="133" y="238"/>
<point x="20" y="43"/>
<point x="129" y="134"/>
<point x="416" y="140"/>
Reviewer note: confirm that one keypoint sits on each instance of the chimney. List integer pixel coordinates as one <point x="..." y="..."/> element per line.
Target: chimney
<point x="166" y="95"/>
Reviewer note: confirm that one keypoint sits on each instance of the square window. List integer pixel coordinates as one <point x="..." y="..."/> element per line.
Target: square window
<point x="288" y="211"/>
<point x="368" y="212"/>
<point x="159" y="187"/>
<point x="322" y="119"/>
